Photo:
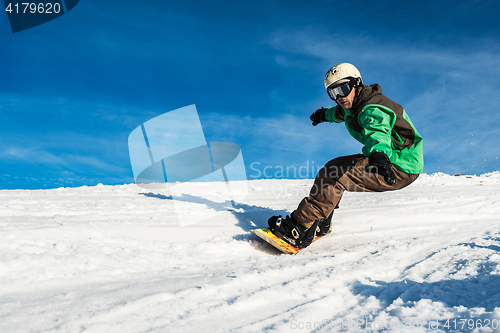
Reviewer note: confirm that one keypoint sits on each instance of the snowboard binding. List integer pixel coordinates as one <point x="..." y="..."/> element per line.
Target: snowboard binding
<point x="292" y="232"/>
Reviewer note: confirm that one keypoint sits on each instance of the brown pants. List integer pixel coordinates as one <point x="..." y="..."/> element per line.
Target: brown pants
<point x="341" y="174"/>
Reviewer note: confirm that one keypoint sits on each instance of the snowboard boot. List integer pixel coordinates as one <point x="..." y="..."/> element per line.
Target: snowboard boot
<point x="324" y="226"/>
<point x="292" y="232"/>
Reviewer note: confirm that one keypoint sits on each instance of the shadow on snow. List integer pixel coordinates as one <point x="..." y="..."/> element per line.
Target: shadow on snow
<point x="247" y="216"/>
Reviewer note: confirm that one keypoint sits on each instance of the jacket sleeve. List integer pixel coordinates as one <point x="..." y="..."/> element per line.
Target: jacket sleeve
<point x="335" y="114"/>
<point x="377" y="123"/>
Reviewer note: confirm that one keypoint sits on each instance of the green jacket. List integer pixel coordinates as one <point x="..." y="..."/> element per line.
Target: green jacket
<point x="382" y="125"/>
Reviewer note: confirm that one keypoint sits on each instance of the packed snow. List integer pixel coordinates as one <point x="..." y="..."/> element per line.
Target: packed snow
<point x="115" y="259"/>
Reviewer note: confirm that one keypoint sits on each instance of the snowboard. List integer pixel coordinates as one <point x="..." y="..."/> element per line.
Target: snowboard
<point x="278" y="243"/>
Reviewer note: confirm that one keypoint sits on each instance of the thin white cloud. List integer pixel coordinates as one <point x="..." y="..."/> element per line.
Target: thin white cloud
<point x="31" y="155"/>
<point x="39" y="156"/>
<point x="480" y="57"/>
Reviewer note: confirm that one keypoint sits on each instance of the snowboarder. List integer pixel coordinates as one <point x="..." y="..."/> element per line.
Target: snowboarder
<point x="392" y="155"/>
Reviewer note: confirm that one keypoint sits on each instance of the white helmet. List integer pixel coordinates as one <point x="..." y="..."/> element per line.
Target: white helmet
<point x="342" y="73"/>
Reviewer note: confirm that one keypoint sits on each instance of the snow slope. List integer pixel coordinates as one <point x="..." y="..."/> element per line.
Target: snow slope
<point x="115" y="259"/>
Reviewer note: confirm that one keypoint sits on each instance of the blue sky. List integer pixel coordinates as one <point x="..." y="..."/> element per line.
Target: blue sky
<point x="73" y="89"/>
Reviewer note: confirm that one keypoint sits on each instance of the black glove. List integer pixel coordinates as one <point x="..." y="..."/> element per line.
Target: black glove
<point x="318" y="116"/>
<point x="379" y="163"/>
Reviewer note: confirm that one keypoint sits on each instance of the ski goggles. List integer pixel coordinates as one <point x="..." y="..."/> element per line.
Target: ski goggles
<point x="341" y="90"/>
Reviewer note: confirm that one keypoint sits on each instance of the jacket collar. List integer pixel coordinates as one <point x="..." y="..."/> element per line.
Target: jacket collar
<point x="364" y="95"/>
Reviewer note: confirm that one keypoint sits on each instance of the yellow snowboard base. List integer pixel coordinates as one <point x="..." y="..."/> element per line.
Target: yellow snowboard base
<point x="278" y="243"/>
